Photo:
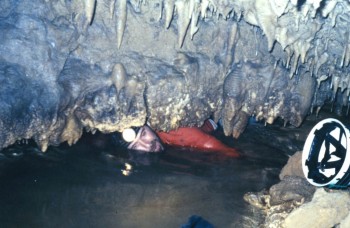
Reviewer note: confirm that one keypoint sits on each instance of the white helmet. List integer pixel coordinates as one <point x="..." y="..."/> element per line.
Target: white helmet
<point x="325" y="160"/>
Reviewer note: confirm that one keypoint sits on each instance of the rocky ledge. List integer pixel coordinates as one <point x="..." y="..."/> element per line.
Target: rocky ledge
<point x="73" y="66"/>
<point x="293" y="202"/>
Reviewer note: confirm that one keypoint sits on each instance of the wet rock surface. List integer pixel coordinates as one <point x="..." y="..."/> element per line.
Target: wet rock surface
<point x="293" y="202"/>
<point x="289" y="189"/>
<point x="69" y="67"/>
<point x="293" y="167"/>
<point x="90" y="183"/>
<point x="281" y="199"/>
<point x="327" y="209"/>
<point x="72" y="66"/>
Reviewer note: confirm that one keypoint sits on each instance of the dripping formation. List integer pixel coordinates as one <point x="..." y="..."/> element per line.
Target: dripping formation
<point x="110" y="64"/>
<point x="271" y="18"/>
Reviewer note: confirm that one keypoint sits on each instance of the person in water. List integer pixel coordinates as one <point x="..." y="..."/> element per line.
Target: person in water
<point x="199" y="138"/>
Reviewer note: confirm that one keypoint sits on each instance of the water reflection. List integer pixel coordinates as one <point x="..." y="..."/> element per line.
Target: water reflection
<point x="86" y="185"/>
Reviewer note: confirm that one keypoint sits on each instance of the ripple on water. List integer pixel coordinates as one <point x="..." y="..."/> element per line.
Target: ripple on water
<point x="2" y="156"/>
<point x="89" y="185"/>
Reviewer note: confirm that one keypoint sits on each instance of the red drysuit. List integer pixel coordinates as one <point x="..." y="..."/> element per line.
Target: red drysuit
<point x="197" y="138"/>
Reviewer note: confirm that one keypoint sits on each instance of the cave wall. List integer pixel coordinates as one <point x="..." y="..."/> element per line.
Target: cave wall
<point x="67" y="66"/>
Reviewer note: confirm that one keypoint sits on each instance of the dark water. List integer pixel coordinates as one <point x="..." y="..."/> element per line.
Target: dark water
<point x="84" y="185"/>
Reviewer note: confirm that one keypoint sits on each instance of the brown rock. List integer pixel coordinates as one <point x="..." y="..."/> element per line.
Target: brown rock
<point x="293" y="167"/>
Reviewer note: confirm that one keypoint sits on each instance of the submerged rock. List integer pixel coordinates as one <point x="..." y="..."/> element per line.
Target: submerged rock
<point x="281" y="199"/>
<point x="293" y="202"/>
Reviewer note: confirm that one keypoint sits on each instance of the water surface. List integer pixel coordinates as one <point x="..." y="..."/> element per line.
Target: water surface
<point x="88" y="184"/>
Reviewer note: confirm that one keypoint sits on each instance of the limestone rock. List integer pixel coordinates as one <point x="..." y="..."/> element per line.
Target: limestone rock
<point x="281" y="199"/>
<point x="293" y="167"/>
<point x="291" y="188"/>
<point x="327" y="209"/>
<point x="345" y="223"/>
<point x="111" y="64"/>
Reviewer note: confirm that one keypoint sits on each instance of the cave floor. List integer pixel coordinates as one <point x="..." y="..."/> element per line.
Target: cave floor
<point x="84" y="185"/>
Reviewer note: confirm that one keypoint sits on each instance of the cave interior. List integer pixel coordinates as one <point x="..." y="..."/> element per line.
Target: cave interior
<point x="70" y="68"/>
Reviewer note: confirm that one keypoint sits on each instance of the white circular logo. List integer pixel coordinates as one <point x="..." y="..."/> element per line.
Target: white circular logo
<point x="324" y="158"/>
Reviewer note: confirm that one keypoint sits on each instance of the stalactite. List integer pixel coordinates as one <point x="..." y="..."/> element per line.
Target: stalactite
<point x="294" y="68"/>
<point x="329" y="7"/>
<point x="335" y="84"/>
<point x="194" y="18"/>
<point x="161" y="6"/>
<point x="278" y="6"/>
<point x="230" y="45"/>
<point x="321" y="79"/>
<point x="122" y="17"/>
<point x="267" y="21"/>
<point x="89" y="10"/>
<point x="345" y="52"/>
<point x="204" y="7"/>
<point x="321" y="60"/>
<point x="119" y="76"/>
<point x="232" y="99"/>
<point x="169" y="11"/>
<point x="112" y="8"/>
<point x="183" y="20"/>
<point x="292" y="32"/>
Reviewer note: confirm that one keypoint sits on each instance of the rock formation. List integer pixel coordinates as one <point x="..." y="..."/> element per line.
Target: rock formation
<point x="293" y="202"/>
<point x="69" y="66"/>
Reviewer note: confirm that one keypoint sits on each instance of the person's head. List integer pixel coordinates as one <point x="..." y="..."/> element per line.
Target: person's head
<point x="142" y="139"/>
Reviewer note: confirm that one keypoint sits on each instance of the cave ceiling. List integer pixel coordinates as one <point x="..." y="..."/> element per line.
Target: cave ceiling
<point x="68" y="66"/>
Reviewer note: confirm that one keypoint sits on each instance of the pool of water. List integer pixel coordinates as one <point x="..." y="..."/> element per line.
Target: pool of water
<point x="94" y="184"/>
